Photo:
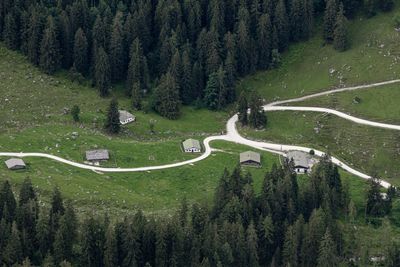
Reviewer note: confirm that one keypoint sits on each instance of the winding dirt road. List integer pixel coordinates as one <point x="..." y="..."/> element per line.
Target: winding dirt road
<point x="234" y="136"/>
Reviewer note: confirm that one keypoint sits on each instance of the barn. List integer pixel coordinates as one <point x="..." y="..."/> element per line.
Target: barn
<point x="250" y="158"/>
<point x="97" y="155"/>
<point x="15" y="164"/>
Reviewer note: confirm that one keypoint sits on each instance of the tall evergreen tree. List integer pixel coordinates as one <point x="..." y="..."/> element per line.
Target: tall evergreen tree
<point x="81" y="52"/>
<point x="50" y="56"/>
<point x="257" y="117"/>
<point x="327" y="256"/>
<point x="340" y="35"/>
<point x="136" y="96"/>
<point x="281" y="25"/>
<point x="112" y="124"/>
<point x="11" y="31"/>
<point x="243" y="108"/>
<point x="264" y="40"/>
<point x="102" y="73"/>
<point x="166" y="95"/>
<point x="37" y="23"/>
<point x="7" y="202"/>
<point x="117" y="49"/>
<point x="13" y="251"/>
<point x="330" y="16"/>
<point x="137" y="70"/>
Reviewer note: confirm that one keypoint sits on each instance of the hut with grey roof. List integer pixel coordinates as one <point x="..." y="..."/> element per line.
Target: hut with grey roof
<point x="15" y="164"/>
<point x="250" y="158"/>
<point x="191" y="146"/>
<point x="303" y="162"/>
<point x="97" y="155"/>
<point x="125" y="117"/>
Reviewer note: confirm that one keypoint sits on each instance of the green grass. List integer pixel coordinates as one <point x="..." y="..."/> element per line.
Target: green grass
<point x="378" y="104"/>
<point x="154" y="192"/>
<point x="305" y="66"/>
<point x="366" y="148"/>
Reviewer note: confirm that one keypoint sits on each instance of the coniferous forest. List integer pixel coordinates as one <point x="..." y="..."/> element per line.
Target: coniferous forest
<point x="176" y="51"/>
<point x="286" y="224"/>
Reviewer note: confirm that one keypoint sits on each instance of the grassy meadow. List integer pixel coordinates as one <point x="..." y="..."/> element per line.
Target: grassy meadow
<point x="310" y="67"/>
<point x="368" y="149"/>
<point x="378" y="104"/>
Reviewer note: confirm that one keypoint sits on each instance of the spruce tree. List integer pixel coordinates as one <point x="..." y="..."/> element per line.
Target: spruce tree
<point x="327" y="256"/>
<point x="13" y="251"/>
<point x="81" y="52"/>
<point x="66" y="40"/>
<point x="136" y="96"/>
<point x="243" y="48"/>
<point x="7" y="202"/>
<point x="50" y="56"/>
<point x="187" y="86"/>
<point x="113" y="125"/>
<point x="137" y="70"/>
<point x="243" y="108"/>
<point x="257" y="117"/>
<point x="340" y="37"/>
<point x="102" y="72"/>
<point x="11" y="31"/>
<point x="117" y="49"/>
<point x="330" y="20"/>
<point x="92" y="243"/>
<point x="252" y="246"/>
<point x="166" y="95"/>
<point x="110" y="250"/>
<point x="36" y="26"/>
<point x="264" y="40"/>
<point x="281" y="25"/>
<point x="43" y="235"/>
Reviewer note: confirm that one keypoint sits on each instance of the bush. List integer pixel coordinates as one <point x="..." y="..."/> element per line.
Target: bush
<point x="312" y="152"/>
<point x="75" y="113"/>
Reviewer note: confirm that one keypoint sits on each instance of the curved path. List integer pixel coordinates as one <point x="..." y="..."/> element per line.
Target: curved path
<point x="234" y="136"/>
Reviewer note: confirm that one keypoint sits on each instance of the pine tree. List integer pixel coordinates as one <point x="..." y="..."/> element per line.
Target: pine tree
<point x="281" y="25"/>
<point x="327" y="256"/>
<point x="66" y="40"/>
<point x="102" y="72"/>
<point x="187" y="86"/>
<point x="243" y="48"/>
<point x="264" y="40"/>
<point x="113" y="125"/>
<point x="167" y="102"/>
<point x="137" y="70"/>
<point x="375" y="203"/>
<point x="62" y="250"/>
<point x="330" y="20"/>
<point x="340" y="37"/>
<point x="252" y="246"/>
<point x="110" y="250"/>
<point x="243" y="109"/>
<point x="37" y="23"/>
<point x="136" y="96"/>
<point x="7" y="202"/>
<point x="50" y="56"/>
<point x="257" y="117"/>
<point x="43" y="235"/>
<point x="81" y="52"/>
<point x="92" y="243"/>
<point x="13" y="251"/>
<point x="11" y="31"/>
<point x="117" y="49"/>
